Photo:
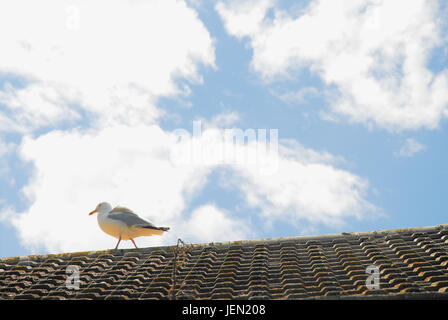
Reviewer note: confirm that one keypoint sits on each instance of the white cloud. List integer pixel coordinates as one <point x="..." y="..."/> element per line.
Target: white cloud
<point x="133" y="166"/>
<point x="297" y="97"/>
<point x="286" y="182"/>
<point x="209" y="223"/>
<point x="306" y="187"/>
<point x="374" y="52"/>
<point x="225" y="119"/>
<point x="74" y="171"/>
<point x="6" y="147"/>
<point x="112" y="58"/>
<point x="36" y="105"/>
<point x="410" y="148"/>
<point x="244" y="18"/>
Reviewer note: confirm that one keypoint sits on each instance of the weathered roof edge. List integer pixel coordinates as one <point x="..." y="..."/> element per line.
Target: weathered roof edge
<point x="390" y="296"/>
<point x="228" y="243"/>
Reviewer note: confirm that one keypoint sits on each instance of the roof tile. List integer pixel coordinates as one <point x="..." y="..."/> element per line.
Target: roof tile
<point x="410" y="261"/>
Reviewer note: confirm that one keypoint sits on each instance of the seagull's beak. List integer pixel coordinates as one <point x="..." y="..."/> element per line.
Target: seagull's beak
<point x="94" y="211"/>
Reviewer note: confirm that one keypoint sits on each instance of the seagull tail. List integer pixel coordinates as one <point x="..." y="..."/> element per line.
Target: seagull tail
<point x="150" y="230"/>
<point x="156" y="228"/>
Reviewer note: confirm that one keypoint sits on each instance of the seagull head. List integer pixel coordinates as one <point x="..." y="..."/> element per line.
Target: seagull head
<point x="102" y="207"/>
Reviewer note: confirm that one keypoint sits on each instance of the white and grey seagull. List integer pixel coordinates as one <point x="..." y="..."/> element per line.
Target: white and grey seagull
<point x="123" y="224"/>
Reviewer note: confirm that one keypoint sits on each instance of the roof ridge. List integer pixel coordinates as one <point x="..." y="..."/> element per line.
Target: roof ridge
<point x="120" y="252"/>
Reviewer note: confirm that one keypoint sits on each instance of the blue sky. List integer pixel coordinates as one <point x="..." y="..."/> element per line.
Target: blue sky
<point x="87" y="114"/>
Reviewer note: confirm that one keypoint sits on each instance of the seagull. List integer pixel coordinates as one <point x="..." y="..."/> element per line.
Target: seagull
<point x="123" y="224"/>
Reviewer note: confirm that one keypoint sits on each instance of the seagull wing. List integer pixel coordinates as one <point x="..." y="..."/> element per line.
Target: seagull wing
<point x="130" y="218"/>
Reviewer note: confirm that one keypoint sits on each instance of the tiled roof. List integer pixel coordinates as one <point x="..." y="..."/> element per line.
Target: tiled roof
<point x="411" y="262"/>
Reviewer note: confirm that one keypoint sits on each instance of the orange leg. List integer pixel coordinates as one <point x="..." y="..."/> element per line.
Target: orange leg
<point x="119" y="239"/>
<point x="134" y="243"/>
